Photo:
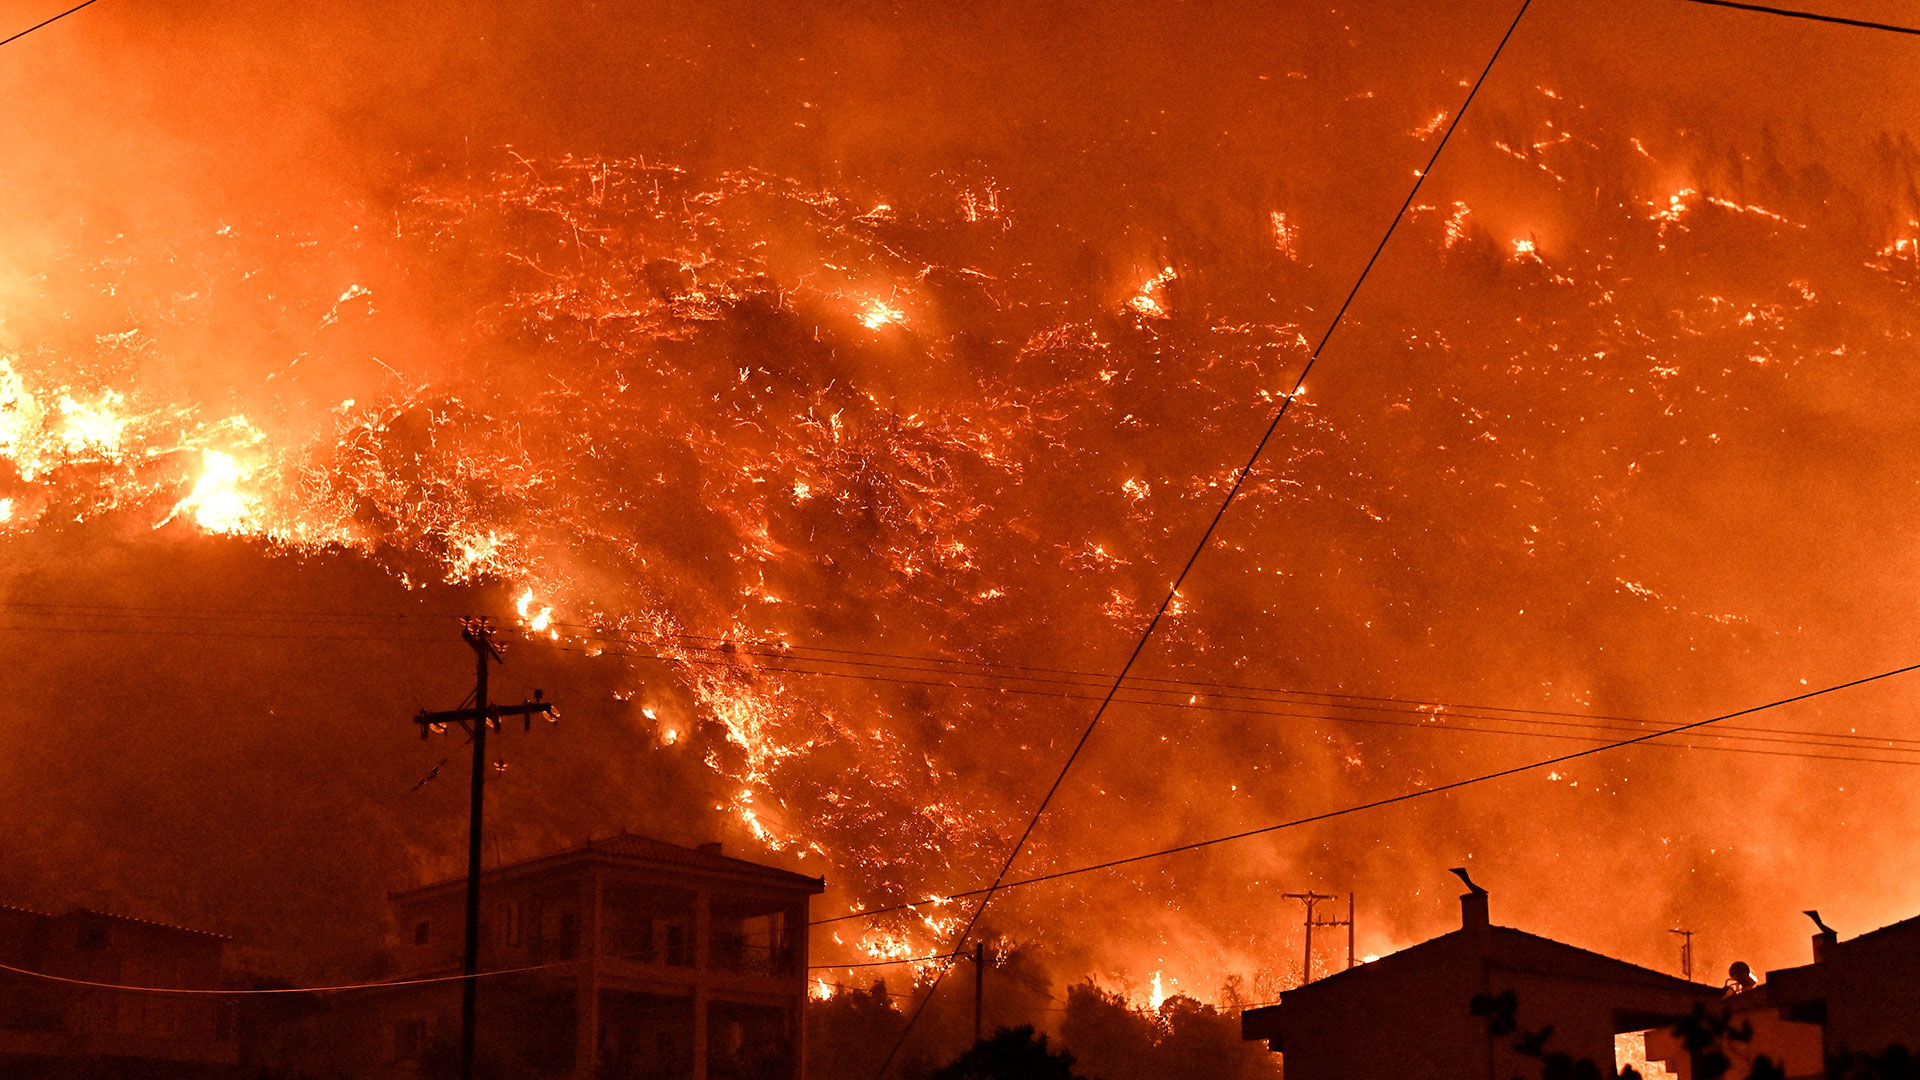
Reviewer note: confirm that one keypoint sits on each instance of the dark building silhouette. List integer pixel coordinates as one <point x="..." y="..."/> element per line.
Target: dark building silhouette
<point x="626" y="957"/>
<point x="1409" y="1015"/>
<point x="1859" y="996"/>
<point x="77" y="1032"/>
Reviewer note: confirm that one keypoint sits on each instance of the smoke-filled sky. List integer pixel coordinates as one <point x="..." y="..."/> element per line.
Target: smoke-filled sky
<point x="925" y="343"/>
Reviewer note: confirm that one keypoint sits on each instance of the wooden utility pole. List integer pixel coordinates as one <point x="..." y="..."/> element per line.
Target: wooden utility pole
<point x="979" y="984"/>
<point x="1350" y="930"/>
<point x="478" y="634"/>
<point x="1310" y="899"/>
<point x="1686" y="953"/>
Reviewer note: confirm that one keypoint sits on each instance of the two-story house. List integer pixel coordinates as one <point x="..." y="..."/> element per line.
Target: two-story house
<point x="71" y="1029"/>
<point x="625" y="957"/>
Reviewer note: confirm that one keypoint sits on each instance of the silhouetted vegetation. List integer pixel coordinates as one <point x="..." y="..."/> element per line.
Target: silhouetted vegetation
<point x="1099" y="1032"/>
<point x="1705" y="1035"/>
<point x="1011" y="1054"/>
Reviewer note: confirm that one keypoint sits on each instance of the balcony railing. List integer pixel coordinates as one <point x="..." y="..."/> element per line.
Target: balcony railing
<point x="752" y="954"/>
<point x="643" y="946"/>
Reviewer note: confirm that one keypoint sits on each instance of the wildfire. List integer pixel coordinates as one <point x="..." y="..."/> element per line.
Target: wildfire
<point x="879" y="314"/>
<point x="217" y="502"/>
<point x="760" y="494"/>
<point x="539" y="621"/>
<point x="1286" y="235"/>
<point x="1150" y="301"/>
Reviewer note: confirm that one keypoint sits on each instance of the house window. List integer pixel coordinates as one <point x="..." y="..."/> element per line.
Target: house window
<point x="420" y="932"/>
<point x="569" y="935"/>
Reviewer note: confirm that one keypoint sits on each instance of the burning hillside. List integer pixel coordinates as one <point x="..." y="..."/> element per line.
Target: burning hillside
<point x="846" y="484"/>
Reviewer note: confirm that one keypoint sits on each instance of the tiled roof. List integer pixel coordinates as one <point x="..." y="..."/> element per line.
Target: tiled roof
<point x="1507" y="945"/>
<point x="73" y="913"/>
<point x="147" y="922"/>
<point x="628" y="845"/>
<point x="635" y="846"/>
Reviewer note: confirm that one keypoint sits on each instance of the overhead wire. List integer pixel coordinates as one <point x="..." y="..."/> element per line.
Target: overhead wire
<point x="1437" y="726"/>
<point x="1439" y="715"/>
<point x="1405" y="796"/>
<point x="1795" y="13"/>
<point x="45" y="23"/>
<point x="1003" y="885"/>
<point x="1436" y="710"/>
<point x="1233" y="491"/>
<point x="1434" y="715"/>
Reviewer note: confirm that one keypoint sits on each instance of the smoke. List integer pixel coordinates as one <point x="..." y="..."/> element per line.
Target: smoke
<point x="941" y="337"/>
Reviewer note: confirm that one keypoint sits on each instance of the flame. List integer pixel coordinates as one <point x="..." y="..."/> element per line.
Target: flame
<point x="537" y="622"/>
<point x="1149" y="301"/>
<point x="1286" y="235"/>
<point x="880" y="314"/>
<point x="1159" y="995"/>
<point x="217" y="503"/>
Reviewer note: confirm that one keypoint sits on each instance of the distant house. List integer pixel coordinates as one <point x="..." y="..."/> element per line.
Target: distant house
<point x="1409" y="1015"/>
<point x="626" y="957"/>
<point x="70" y="1030"/>
<point x="1859" y="996"/>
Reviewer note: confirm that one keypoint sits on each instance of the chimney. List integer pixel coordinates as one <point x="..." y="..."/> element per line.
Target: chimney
<point x="1473" y="903"/>
<point x="1823" y="940"/>
<point x="1473" y="910"/>
<point x="711" y="847"/>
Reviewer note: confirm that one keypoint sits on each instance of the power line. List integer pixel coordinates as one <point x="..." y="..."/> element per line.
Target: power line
<point x="1434" y="721"/>
<point x="1196" y="845"/>
<point x="1438" y="714"/>
<point x="1792" y="13"/>
<point x="150" y="611"/>
<point x="1233" y="492"/>
<point x="1449" y="728"/>
<point x="1405" y="796"/>
<point x="1408" y="706"/>
<point x="1098" y="678"/>
<point x="49" y="22"/>
<point x="191" y="633"/>
<point x="754" y="647"/>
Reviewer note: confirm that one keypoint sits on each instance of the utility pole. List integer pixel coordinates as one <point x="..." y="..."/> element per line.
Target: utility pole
<point x="478" y="634"/>
<point x="1350" y="930"/>
<point x="1686" y="953"/>
<point x="979" y="984"/>
<point x="1310" y="899"/>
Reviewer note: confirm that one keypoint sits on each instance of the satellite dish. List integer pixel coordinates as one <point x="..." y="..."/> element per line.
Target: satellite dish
<point x="1740" y="977"/>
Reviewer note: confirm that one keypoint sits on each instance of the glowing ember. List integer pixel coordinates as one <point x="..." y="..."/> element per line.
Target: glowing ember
<point x="1150" y="301"/>
<point x="880" y="314"/>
